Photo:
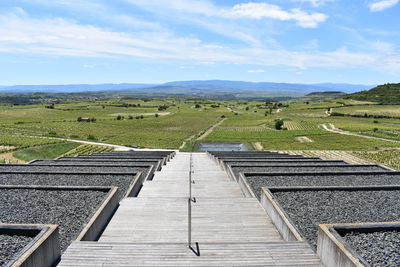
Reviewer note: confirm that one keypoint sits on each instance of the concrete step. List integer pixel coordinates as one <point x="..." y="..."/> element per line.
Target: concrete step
<point x="159" y="188"/>
<point x="213" y="220"/>
<point x="82" y="254"/>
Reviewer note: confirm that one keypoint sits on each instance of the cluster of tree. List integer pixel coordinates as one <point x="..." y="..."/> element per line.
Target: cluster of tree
<point x="163" y="107"/>
<point x="126" y="105"/>
<point x="80" y="119"/>
<point x="365" y="115"/>
<point x="279" y="124"/>
<point x="51" y="106"/>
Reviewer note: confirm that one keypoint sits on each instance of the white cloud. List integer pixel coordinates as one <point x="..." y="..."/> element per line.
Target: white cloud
<point x="382" y="5"/>
<point x="315" y="3"/>
<point x="256" y="71"/>
<point x="23" y="34"/>
<point x="263" y="10"/>
<point x="245" y="10"/>
<point x="203" y="7"/>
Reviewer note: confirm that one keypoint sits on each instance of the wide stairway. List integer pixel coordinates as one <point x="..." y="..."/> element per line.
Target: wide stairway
<point x="152" y="229"/>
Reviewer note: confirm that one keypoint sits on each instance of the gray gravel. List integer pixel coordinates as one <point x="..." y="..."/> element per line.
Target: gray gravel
<point x="300" y="169"/>
<point x="256" y="182"/>
<point x="70" y="169"/>
<point x="94" y="163"/>
<point x="232" y="161"/>
<point x="11" y="245"/>
<point x="309" y="208"/>
<point x="107" y="160"/>
<point x="286" y="163"/>
<point x="377" y="248"/>
<point x="70" y="209"/>
<point x="121" y="181"/>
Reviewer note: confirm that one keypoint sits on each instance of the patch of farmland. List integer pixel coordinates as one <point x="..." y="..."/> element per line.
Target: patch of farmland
<point x="299" y="125"/>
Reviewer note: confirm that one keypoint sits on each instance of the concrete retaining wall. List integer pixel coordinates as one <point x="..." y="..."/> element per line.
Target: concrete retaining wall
<point x="279" y="218"/>
<point x="100" y="219"/>
<point x="43" y="250"/>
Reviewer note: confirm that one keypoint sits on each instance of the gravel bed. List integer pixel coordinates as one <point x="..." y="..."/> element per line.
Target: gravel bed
<point x="121" y="181"/>
<point x="263" y="157"/>
<point x="120" y="157"/>
<point x="70" y="209"/>
<point x="229" y="161"/>
<point x="299" y="169"/>
<point x="286" y="163"/>
<point x="11" y="245"/>
<point x="256" y="182"/>
<point x="309" y="208"/>
<point x="107" y="160"/>
<point x="377" y="248"/>
<point x="71" y="169"/>
<point x="94" y="163"/>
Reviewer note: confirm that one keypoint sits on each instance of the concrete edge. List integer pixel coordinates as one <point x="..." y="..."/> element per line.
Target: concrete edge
<point x="279" y="217"/>
<point x="101" y="217"/>
<point x="244" y="185"/>
<point x="231" y="174"/>
<point x="136" y="185"/>
<point x="150" y="173"/>
<point x="43" y="250"/>
<point x="334" y="250"/>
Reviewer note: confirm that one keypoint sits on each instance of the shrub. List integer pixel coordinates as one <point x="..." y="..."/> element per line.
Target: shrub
<point x="91" y="137"/>
<point x="278" y="124"/>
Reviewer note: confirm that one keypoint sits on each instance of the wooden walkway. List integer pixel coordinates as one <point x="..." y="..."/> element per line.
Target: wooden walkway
<point x="151" y="230"/>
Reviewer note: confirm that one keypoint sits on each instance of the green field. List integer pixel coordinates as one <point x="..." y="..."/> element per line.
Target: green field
<point x="168" y="122"/>
<point x="45" y="151"/>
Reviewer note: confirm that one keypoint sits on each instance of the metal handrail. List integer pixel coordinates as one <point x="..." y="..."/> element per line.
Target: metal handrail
<point x="190" y="200"/>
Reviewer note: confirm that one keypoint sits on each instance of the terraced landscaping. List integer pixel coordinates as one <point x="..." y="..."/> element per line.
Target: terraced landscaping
<point x="309" y="208"/>
<point x="70" y="209"/>
<point x="10" y="245"/>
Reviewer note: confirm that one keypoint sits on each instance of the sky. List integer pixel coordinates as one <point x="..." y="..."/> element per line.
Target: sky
<point x="155" y="41"/>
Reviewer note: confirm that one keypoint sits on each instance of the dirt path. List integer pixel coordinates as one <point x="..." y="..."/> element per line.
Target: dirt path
<point x="303" y="139"/>
<point x="258" y="146"/>
<point x="202" y="136"/>
<point x="209" y="131"/>
<point x="9" y="158"/>
<point x="331" y="128"/>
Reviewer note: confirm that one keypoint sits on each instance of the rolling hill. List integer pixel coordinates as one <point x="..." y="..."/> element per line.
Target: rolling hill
<point x="382" y="94"/>
<point x="238" y="89"/>
<point x="320" y="96"/>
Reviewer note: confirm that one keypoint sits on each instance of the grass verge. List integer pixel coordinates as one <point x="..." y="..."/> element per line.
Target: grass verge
<point x="44" y="152"/>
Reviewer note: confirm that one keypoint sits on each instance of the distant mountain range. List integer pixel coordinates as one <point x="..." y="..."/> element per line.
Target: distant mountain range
<point x="236" y="89"/>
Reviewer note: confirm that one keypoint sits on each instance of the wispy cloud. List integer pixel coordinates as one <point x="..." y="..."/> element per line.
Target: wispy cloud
<point x="20" y="33"/>
<point x="256" y="71"/>
<point x="263" y="10"/>
<point x="315" y="3"/>
<point x="382" y="5"/>
<point x="248" y="10"/>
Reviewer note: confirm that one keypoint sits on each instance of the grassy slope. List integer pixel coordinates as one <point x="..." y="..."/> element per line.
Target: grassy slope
<point x="383" y="94"/>
<point x="44" y="152"/>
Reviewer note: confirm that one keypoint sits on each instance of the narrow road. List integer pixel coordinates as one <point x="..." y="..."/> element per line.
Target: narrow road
<point x="331" y="128"/>
<point x="209" y="131"/>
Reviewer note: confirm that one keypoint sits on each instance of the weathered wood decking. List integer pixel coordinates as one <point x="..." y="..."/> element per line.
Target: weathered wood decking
<point x="151" y="230"/>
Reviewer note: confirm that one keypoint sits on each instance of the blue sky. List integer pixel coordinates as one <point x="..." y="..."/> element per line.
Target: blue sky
<point x="153" y="41"/>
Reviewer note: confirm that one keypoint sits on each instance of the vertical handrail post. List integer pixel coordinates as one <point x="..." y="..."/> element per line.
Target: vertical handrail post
<point x="190" y="200"/>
